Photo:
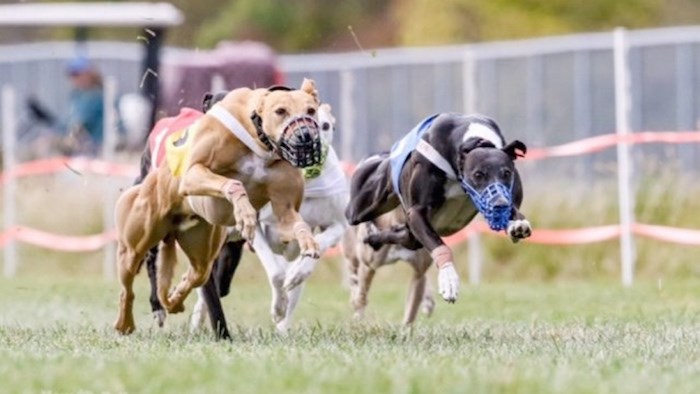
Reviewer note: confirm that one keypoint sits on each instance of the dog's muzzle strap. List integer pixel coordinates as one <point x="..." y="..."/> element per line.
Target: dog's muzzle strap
<point x="233" y="190"/>
<point x="430" y="153"/>
<point x="442" y="256"/>
<point x="237" y="129"/>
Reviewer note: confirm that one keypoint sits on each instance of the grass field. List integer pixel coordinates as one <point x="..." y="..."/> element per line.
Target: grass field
<point x="568" y="337"/>
<point x="547" y="318"/>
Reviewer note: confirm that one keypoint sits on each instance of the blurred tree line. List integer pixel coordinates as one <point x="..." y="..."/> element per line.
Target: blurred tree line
<point x="339" y="25"/>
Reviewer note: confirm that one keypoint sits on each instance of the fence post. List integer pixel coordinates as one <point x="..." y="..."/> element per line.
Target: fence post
<point x="108" y="154"/>
<point x="469" y="96"/>
<point x="9" y="139"/>
<point x="622" y="123"/>
<point x="347" y="111"/>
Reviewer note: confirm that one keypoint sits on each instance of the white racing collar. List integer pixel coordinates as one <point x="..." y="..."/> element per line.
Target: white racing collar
<point x="237" y="129"/>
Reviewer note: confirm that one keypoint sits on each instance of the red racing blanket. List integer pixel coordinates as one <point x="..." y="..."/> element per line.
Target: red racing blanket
<point x="170" y="140"/>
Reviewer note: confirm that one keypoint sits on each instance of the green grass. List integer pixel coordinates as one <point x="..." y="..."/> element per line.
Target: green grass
<point x="567" y="337"/>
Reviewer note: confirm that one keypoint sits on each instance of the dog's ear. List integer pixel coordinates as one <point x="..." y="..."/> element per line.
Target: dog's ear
<point x="309" y="86"/>
<point x="473" y="143"/>
<point x="515" y="149"/>
<point x="206" y="101"/>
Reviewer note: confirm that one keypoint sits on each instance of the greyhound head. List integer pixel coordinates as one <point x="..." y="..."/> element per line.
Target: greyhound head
<point x="326" y="121"/>
<point x="287" y="122"/>
<point x="327" y="124"/>
<point x="487" y="175"/>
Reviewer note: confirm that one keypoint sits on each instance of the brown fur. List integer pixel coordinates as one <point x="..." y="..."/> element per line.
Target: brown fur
<point x="363" y="261"/>
<point x="158" y="208"/>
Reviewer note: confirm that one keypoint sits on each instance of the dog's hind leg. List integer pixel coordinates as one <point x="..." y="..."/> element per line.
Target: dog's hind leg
<point x="395" y="236"/>
<point x="210" y="293"/>
<point x="222" y="273"/>
<point x="371" y="192"/>
<point x="416" y="291"/>
<point x="428" y="303"/>
<point x="226" y="265"/>
<point x="133" y="242"/>
<point x="199" y="312"/>
<point x="166" y="269"/>
<point x="156" y="307"/>
<point x="201" y="244"/>
<point x="417" y="288"/>
<point x="365" y="275"/>
<point x="128" y="263"/>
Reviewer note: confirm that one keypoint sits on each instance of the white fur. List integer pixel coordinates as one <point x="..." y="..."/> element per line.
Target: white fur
<point x="253" y="166"/>
<point x="482" y="131"/>
<point x="519" y="229"/>
<point x="285" y="268"/>
<point x="448" y="282"/>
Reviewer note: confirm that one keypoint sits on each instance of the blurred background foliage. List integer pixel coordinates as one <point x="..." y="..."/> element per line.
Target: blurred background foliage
<point x="326" y="25"/>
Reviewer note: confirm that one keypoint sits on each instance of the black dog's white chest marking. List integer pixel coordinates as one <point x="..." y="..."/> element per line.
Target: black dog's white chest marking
<point x="455" y="213"/>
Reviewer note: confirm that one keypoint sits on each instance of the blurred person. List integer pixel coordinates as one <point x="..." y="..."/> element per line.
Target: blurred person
<point x="80" y="132"/>
<point x="85" y="123"/>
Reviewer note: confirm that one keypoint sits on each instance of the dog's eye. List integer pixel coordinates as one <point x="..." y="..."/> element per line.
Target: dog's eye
<point x="507" y="174"/>
<point x="478" y="175"/>
<point x="311" y="111"/>
<point x="325" y="126"/>
<point x="281" y="111"/>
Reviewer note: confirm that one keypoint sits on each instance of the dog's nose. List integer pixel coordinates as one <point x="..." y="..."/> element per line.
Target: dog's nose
<point x="500" y="202"/>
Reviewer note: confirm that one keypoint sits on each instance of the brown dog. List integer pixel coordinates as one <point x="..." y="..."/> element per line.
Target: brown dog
<point x="218" y="173"/>
<point x="363" y="261"/>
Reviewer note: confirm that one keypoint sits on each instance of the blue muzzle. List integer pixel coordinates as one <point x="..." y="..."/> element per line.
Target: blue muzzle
<point x="490" y="203"/>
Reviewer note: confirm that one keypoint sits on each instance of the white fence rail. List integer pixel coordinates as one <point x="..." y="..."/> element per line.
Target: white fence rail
<point x="543" y="91"/>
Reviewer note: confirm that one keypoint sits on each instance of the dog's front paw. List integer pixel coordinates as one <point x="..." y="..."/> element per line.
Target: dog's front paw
<point x="519" y="229"/>
<point x="278" y="306"/>
<point x="298" y="272"/>
<point x="308" y="246"/>
<point x="246" y="218"/>
<point x="448" y="282"/>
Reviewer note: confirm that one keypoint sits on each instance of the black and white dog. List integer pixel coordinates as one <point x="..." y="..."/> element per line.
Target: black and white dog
<point x="447" y="169"/>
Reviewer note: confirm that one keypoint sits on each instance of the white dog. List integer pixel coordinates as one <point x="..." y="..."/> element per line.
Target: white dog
<point x="326" y="195"/>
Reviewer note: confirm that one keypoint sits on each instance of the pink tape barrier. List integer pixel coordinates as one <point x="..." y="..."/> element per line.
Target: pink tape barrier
<point x="65" y="243"/>
<point x="539" y="236"/>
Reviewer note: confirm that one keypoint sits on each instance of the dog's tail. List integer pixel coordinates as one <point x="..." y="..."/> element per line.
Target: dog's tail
<point x="210" y="99"/>
<point x="145" y="165"/>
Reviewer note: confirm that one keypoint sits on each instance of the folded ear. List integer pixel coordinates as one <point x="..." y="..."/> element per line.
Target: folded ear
<point x="309" y="86"/>
<point x="515" y="149"/>
<point x="206" y="101"/>
<point x="473" y="143"/>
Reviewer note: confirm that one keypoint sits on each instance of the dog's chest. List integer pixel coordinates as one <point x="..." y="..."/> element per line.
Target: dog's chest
<point x="252" y="167"/>
<point x="455" y="213"/>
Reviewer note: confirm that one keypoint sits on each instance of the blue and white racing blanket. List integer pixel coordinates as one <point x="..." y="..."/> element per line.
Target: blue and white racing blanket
<point x="402" y="148"/>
